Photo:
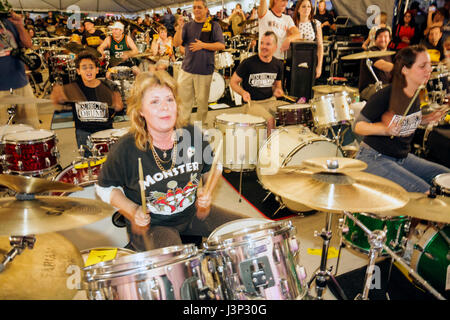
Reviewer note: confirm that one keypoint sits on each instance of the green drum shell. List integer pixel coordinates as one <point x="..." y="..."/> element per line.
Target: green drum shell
<point x="356" y="238"/>
<point x="433" y="262"/>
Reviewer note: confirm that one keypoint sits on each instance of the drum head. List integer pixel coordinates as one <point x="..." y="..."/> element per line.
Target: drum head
<point x="118" y="133"/>
<point x="217" y="87"/>
<point x="5" y="130"/>
<point x="294" y="106"/>
<point x="233" y="226"/>
<point x="443" y="180"/>
<point x="239" y="118"/>
<point x="30" y="135"/>
<point x="104" y="134"/>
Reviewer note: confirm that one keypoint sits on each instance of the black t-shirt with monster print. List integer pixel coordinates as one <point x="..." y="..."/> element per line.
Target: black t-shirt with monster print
<point x="170" y="193"/>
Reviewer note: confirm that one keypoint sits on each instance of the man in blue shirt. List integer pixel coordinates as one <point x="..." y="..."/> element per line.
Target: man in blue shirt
<point x="13" y="35"/>
<point x="200" y="38"/>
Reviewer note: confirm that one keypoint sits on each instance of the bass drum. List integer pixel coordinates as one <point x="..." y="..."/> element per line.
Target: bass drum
<point x="217" y="88"/>
<point x="290" y="146"/>
<point x="108" y="232"/>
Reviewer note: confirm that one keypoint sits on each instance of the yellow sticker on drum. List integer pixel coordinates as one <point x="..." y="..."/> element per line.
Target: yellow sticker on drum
<point x="96" y="256"/>
<point x="332" y="252"/>
<point x="83" y="165"/>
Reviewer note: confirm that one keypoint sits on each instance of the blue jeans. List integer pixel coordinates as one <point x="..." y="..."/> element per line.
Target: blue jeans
<point x="413" y="173"/>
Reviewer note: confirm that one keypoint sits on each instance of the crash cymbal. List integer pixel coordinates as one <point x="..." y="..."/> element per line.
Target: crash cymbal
<point x="336" y="192"/>
<point x="246" y="22"/>
<point x="249" y="35"/>
<point x="368" y="55"/>
<point x="49" y="213"/>
<point x="48" y="271"/>
<point x="31" y="185"/>
<point x="423" y="207"/>
<point x="74" y="47"/>
<point x="114" y="62"/>
<point x="332" y="165"/>
<point x="13" y="99"/>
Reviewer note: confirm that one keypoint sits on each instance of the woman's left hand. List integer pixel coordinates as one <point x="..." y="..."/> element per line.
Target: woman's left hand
<point x="203" y="204"/>
<point x="435" y="116"/>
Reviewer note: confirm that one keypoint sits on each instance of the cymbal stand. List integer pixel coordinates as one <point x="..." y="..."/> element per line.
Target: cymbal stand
<point x="377" y="241"/>
<point x="322" y="275"/>
<point x="342" y="230"/>
<point x="378" y="83"/>
<point x="18" y="243"/>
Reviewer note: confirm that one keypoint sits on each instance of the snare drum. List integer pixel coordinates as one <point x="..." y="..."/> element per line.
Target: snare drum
<point x="171" y="273"/>
<point x="121" y="73"/>
<point x="442" y="184"/>
<point x="430" y="256"/>
<point x="256" y="258"/>
<point x="104" y="232"/>
<point x="31" y="152"/>
<point x="217" y="88"/>
<point x="242" y="136"/>
<point x="290" y="146"/>
<point x="396" y="231"/>
<point x="103" y="140"/>
<point x="293" y="114"/>
<point x="223" y="60"/>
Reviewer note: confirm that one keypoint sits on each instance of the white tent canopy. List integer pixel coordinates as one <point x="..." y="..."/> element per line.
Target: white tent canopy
<point x="124" y="6"/>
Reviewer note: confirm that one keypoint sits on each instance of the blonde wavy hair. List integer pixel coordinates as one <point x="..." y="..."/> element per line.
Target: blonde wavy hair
<point x="145" y="81"/>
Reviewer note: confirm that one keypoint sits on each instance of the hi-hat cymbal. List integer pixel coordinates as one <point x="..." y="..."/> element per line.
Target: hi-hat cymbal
<point x="368" y="55"/>
<point x="52" y="48"/>
<point x="13" y="99"/>
<point x="42" y="273"/>
<point x="49" y="214"/>
<point x="337" y="192"/>
<point x="327" y="89"/>
<point x="423" y="207"/>
<point x="31" y="185"/>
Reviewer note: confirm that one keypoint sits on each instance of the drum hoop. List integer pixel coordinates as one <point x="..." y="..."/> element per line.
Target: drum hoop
<point x="129" y="266"/>
<point x="301" y="145"/>
<point x="428" y="236"/>
<point x="34" y="172"/>
<point x="383" y="218"/>
<point x="249" y="234"/>
<point x="445" y="189"/>
<point x="16" y="142"/>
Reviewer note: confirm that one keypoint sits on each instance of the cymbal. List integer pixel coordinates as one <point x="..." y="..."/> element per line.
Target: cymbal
<point x="41" y="273"/>
<point x="337" y="192"/>
<point x="244" y="23"/>
<point x="327" y="89"/>
<point x="49" y="214"/>
<point x="368" y="55"/>
<point x="31" y="185"/>
<point x="52" y="48"/>
<point x="223" y="24"/>
<point x="113" y="62"/>
<point x="16" y="99"/>
<point x="74" y="47"/>
<point x="332" y="165"/>
<point x="249" y="35"/>
<point x="423" y="207"/>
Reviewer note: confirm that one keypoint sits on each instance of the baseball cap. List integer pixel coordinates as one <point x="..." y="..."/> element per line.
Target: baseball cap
<point x="117" y="25"/>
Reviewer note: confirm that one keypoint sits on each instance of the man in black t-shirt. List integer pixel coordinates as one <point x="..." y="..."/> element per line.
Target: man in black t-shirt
<point x="382" y="66"/>
<point x="258" y="80"/>
<point x="94" y="102"/>
<point x="326" y="19"/>
<point x="92" y="37"/>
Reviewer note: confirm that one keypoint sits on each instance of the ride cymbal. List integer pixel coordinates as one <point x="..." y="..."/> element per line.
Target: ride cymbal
<point x="332" y="165"/>
<point x="49" y="214"/>
<point x="48" y="271"/>
<point x="368" y="55"/>
<point x="337" y="192"/>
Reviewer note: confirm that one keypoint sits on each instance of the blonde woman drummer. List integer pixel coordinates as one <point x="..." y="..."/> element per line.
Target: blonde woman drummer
<point x="175" y="160"/>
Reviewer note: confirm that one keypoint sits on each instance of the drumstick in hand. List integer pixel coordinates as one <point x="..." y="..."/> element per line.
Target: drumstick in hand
<point x="142" y="187"/>
<point x="214" y="166"/>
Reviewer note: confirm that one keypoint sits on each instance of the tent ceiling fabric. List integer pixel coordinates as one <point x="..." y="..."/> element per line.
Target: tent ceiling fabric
<point x="129" y="6"/>
<point x="357" y="10"/>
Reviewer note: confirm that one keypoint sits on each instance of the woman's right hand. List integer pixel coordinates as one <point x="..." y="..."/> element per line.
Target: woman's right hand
<point x="391" y="128"/>
<point x="141" y="221"/>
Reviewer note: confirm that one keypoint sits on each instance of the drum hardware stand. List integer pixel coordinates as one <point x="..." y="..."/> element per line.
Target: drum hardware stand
<point x="322" y="275"/>
<point x="242" y="158"/>
<point x="378" y="83"/>
<point x="18" y="244"/>
<point x="342" y="230"/>
<point x="376" y="240"/>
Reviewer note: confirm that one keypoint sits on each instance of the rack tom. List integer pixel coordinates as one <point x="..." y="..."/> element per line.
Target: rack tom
<point x="294" y="114"/>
